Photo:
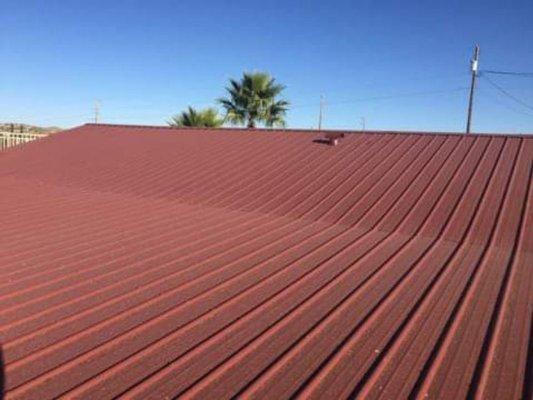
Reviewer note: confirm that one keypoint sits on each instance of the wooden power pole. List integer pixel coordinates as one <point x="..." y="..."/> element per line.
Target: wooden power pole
<point x="321" y="112"/>
<point x="474" y="69"/>
<point x="96" y="111"/>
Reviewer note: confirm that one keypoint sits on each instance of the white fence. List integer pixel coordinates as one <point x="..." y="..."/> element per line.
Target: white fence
<point x="10" y="139"/>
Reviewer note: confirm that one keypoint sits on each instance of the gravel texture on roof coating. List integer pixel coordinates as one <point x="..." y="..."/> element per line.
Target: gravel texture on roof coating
<point x="151" y="263"/>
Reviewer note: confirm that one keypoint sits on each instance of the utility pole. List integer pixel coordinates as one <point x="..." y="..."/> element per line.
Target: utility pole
<point x="321" y="112"/>
<point x="363" y="123"/>
<point x="96" y="111"/>
<point x="474" y="69"/>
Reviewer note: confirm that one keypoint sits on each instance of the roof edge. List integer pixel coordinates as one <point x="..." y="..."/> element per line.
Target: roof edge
<point x="296" y="130"/>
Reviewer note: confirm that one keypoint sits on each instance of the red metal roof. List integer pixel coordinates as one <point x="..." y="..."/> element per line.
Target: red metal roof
<point x="153" y="263"/>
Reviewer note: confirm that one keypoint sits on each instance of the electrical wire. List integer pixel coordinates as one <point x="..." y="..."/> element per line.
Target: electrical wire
<point x="520" y="74"/>
<point x="386" y="97"/>
<point x="506" y="93"/>
<point x="499" y="100"/>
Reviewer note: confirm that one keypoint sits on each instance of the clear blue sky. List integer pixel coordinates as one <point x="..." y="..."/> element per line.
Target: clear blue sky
<point x="400" y="64"/>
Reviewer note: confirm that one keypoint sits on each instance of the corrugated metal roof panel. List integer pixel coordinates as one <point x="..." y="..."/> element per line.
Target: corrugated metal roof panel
<point x="151" y="263"/>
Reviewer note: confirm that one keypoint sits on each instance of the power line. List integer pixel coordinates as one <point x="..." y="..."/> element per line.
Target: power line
<point x="385" y="97"/>
<point x="506" y="93"/>
<point x="503" y="103"/>
<point x="521" y="74"/>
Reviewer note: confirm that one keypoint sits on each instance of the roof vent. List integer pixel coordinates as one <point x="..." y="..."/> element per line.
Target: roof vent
<point x="333" y="138"/>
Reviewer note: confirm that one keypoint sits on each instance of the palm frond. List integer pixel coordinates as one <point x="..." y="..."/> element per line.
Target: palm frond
<point x="206" y="118"/>
<point x="253" y="100"/>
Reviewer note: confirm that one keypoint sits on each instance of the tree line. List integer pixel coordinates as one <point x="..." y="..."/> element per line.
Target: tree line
<point x="251" y="101"/>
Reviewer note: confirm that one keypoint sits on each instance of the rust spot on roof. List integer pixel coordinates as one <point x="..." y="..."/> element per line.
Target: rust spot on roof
<point x="140" y="263"/>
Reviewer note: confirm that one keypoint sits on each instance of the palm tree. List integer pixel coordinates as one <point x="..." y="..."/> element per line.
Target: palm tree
<point x="206" y="118"/>
<point x="253" y="100"/>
